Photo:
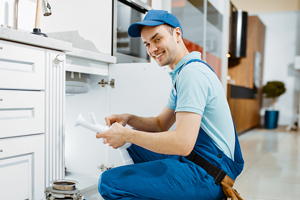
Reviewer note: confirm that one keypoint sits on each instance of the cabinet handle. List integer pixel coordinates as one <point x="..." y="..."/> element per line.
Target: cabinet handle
<point x="59" y="58"/>
<point x="1" y="150"/>
<point x="1" y="99"/>
<point x="1" y="48"/>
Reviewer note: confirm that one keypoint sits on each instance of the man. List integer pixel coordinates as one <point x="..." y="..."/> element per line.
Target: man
<point x="189" y="162"/>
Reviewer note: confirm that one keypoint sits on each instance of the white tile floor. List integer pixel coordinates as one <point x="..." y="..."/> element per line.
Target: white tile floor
<point x="272" y="165"/>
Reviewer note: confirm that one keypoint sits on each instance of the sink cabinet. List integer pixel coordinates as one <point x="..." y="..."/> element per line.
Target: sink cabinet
<point x="31" y="119"/>
<point x="22" y="167"/>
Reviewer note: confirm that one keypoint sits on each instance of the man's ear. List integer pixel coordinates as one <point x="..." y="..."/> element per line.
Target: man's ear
<point x="178" y="34"/>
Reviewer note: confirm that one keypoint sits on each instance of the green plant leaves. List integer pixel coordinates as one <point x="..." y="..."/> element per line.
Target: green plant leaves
<point x="273" y="89"/>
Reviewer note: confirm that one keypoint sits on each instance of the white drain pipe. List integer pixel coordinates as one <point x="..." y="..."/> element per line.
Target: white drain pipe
<point x="94" y="126"/>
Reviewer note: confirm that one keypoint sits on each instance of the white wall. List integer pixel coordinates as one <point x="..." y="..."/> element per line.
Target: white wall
<point x="259" y="6"/>
<point x="6" y="10"/>
<point x="282" y="37"/>
<point x="87" y="24"/>
<point x="26" y="14"/>
<point x="92" y="19"/>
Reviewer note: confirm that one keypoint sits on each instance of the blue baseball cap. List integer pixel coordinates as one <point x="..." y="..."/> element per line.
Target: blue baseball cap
<point x="154" y="18"/>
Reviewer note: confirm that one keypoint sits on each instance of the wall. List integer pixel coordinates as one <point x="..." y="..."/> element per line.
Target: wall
<point x="298" y="38"/>
<point x="282" y="39"/>
<point x="88" y="23"/>
<point x="26" y="14"/>
<point x="6" y="10"/>
<point x="262" y="6"/>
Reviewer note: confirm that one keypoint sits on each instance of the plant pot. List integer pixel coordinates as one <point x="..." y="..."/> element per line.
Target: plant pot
<point x="271" y="119"/>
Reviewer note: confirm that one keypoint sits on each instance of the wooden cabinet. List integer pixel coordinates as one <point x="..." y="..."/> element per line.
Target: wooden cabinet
<point x="246" y="73"/>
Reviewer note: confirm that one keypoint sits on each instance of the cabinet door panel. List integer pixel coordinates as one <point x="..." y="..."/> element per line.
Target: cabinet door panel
<point x="21" y="113"/>
<point x="15" y="172"/>
<point x="22" y="167"/>
<point x="140" y="89"/>
<point x="21" y="67"/>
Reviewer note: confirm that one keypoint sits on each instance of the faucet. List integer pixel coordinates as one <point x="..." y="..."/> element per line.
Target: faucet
<point x="46" y="7"/>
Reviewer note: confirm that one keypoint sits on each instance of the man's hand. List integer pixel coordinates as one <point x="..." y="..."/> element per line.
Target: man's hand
<point x="115" y="136"/>
<point x="121" y="119"/>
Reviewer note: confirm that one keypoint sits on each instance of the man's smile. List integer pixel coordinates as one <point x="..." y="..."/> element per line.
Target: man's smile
<point x="159" y="55"/>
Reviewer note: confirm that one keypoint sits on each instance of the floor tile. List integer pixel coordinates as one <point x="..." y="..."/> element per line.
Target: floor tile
<point x="267" y="189"/>
<point x="255" y="198"/>
<point x="272" y="165"/>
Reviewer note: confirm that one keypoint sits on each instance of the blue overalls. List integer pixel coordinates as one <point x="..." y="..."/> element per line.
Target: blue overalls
<point x="170" y="177"/>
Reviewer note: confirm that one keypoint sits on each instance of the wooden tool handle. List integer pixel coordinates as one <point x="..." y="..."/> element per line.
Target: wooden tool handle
<point x="38" y="13"/>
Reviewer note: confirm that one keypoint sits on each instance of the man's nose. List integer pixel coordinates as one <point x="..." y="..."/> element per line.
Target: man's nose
<point x="152" y="49"/>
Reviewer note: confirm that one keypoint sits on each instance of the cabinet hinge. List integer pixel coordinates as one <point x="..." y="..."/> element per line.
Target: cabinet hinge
<point x="111" y="83"/>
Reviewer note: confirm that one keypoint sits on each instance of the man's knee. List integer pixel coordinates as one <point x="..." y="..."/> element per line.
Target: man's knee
<point x="104" y="184"/>
<point x="111" y="185"/>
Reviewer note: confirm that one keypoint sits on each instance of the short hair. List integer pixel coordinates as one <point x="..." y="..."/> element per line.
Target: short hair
<point x="169" y="28"/>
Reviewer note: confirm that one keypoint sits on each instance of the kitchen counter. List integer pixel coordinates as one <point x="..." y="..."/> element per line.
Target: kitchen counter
<point x="25" y="37"/>
<point x="100" y="57"/>
<point x="78" y="60"/>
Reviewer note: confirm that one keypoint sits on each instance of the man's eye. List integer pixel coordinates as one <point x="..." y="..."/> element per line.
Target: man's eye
<point x="157" y="39"/>
<point x="147" y="45"/>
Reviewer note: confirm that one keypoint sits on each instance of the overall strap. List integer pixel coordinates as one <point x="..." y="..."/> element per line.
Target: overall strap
<point x="190" y="61"/>
<point x="196" y="60"/>
<point x="219" y="175"/>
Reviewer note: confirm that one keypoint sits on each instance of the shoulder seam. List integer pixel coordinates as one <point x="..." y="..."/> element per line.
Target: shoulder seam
<point x="211" y="85"/>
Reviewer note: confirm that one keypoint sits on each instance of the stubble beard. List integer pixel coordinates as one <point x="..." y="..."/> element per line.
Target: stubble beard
<point x="169" y="57"/>
<point x="166" y="62"/>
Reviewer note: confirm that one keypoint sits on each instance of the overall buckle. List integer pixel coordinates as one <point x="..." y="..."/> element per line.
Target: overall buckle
<point x="220" y="177"/>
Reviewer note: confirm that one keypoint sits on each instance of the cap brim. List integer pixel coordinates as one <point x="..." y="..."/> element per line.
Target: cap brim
<point x="133" y="30"/>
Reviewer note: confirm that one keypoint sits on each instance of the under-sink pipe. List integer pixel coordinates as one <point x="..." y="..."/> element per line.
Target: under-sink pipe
<point x="94" y="126"/>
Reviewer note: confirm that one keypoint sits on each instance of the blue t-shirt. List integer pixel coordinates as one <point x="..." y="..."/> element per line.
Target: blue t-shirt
<point x="200" y="91"/>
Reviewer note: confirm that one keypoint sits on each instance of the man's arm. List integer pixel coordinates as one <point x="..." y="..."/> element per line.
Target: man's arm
<point x="181" y="141"/>
<point x="162" y="122"/>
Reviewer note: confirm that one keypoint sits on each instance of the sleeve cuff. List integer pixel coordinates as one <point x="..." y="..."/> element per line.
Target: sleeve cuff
<point x="189" y="109"/>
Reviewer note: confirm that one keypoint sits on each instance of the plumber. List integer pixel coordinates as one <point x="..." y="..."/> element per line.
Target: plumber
<point x="201" y="158"/>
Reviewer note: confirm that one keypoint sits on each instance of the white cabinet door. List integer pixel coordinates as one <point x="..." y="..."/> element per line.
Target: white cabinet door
<point x="22" y="168"/>
<point x="21" y="66"/>
<point x="140" y="89"/>
<point x="21" y="113"/>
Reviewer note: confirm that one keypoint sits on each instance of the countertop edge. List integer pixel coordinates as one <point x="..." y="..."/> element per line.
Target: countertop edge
<point x="34" y="40"/>
<point x="100" y="57"/>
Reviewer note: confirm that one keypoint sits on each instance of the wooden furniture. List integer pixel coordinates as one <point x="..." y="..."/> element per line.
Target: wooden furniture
<point x="246" y="112"/>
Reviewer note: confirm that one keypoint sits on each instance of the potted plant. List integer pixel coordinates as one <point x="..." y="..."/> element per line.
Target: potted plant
<point x="273" y="89"/>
